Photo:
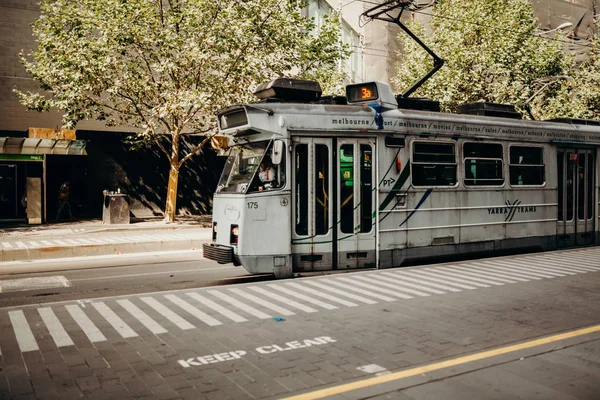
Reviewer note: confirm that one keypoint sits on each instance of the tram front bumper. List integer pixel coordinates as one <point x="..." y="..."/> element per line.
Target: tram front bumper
<point x="220" y="253"/>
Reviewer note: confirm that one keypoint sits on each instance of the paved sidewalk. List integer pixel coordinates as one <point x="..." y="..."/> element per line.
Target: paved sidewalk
<point x="93" y="238"/>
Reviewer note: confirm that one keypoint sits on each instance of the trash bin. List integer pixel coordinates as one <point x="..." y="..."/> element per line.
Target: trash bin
<point x="116" y="208"/>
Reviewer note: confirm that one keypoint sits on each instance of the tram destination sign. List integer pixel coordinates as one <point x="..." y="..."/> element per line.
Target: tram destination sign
<point x="448" y="128"/>
<point x="21" y="157"/>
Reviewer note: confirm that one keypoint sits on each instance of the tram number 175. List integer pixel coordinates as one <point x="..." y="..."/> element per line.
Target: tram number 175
<point x="253" y="205"/>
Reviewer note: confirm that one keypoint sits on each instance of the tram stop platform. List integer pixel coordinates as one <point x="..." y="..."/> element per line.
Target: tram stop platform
<point x="20" y="244"/>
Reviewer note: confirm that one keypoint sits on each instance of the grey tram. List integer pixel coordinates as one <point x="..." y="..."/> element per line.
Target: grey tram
<point x="358" y="182"/>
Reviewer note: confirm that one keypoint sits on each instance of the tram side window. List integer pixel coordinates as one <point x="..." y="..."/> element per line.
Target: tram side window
<point x="483" y="164"/>
<point x="434" y="164"/>
<point x="526" y="165"/>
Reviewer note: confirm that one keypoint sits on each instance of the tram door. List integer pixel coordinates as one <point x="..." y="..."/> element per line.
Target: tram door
<point x="576" y="197"/>
<point x="333" y="200"/>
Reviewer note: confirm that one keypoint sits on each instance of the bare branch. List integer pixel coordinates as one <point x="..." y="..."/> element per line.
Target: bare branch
<point x="194" y="150"/>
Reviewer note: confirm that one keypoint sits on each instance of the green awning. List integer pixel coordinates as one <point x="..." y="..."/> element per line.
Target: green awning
<point x="31" y="149"/>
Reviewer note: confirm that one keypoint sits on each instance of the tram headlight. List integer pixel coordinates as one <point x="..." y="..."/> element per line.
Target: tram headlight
<point x="233" y="236"/>
<point x="214" y="232"/>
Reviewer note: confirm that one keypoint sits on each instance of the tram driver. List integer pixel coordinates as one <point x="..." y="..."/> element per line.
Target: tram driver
<point x="266" y="173"/>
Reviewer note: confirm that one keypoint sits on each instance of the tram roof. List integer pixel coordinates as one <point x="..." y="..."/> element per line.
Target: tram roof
<point x="282" y="118"/>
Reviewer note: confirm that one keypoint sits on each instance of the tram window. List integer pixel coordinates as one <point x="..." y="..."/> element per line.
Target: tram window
<point x="526" y="165"/>
<point x="366" y="188"/>
<point x="581" y="186"/>
<point x="483" y="164"/>
<point x="590" y="186"/>
<point x="269" y="176"/>
<point x="321" y="189"/>
<point x="434" y="164"/>
<point x="301" y="156"/>
<point x="347" y="188"/>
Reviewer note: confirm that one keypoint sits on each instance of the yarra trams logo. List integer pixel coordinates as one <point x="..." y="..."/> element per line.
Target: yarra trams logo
<point x="511" y="209"/>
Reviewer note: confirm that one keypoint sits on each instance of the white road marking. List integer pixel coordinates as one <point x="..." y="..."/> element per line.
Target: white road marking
<point x="55" y="328"/>
<point x="141" y="316"/>
<point x="375" y="288"/>
<point x="340" y="292"/>
<point x="470" y="270"/>
<point x="529" y="267"/>
<point x="377" y="281"/>
<point x="405" y="276"/>
<point x="302" y="297"/>
<point x="25" y="338"/>
<point x="21" y="245"/>
<point x="109" y="315"/>
<point x="288" y="302"/>
<point x="262" y="302"/>
<point x="506" y="270"/>
<point x="201" y="315"/>
<point x="46" y="242"/>
<point x="386" y="276"/>
<point x="168" y="314"/>
<point x="321" y="294"/>
<point x="357" y="290"/>
<point x="426" y="276"/>
<point x="60" y="242"/>
<point x="33" y="243"/>
<point x="86" y="324"/>
<point x="524" y="269"/>
<point x="558" y="267"/>
<point x="72" y="241"/>
<point x="239" y="304"/>
<point x="44" y="282"/>
<point x="7" y="245"/>
<point x="461" y="275"/>
<point x="217" y="307"/>
<point x="458" y="277"/>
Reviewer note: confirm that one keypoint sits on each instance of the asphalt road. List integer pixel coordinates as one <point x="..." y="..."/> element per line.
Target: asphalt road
<point x="120" y="280"/>
<point x="511" y="327"/>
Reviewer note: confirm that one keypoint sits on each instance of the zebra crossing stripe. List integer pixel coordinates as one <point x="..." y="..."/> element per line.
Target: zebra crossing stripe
<point x="457" y="277"/>
<point x="25" y="338"/>
<point x="321" y="294"/>
<point x="554" y="268"/>
<point x="436" y="278"/>
<point x="593" y="262"/>
<point x="168" y="314"/>
<point x="262" y="302"/>
<point x="382" y="282"/>
<point x="117" y="323"/>
<point x="239" y="304"/>
<point x="375" y="288"/>
<point x="529" y="270"/>
<point x="565" y="265"/>
<point x="302" y="297"/>
<point x="217" y="307"/>
<point x="405" y="276"/>
<point x="502" y="272"/>
<point x="288" y="302"/>
<point x="47" y="243"/>
<point x="468" y="279"/>
<point x="393" y="279"/>
<point x="520" y="272"/>
<point x="55" y="328"/>
<point x="7" y="245"/>
<point x="340" y="292"/>
<point x="86" y="324"/>
<point x="201" y="315"/>
<point x="36" y="244"/>
<point x="469" y="269"/>
<point x="141" y="316"/>
<point x="357" y="290"/>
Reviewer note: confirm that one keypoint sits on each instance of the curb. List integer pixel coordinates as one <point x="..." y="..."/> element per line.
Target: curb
<point x="87" y="250"/>
<point x="101" y="261"/>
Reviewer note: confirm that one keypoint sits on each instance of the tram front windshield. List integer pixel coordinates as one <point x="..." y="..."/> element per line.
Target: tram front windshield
<point x="241" y="165"/>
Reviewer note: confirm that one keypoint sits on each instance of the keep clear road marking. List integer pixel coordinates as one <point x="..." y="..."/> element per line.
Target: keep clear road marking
<point x="44" y="282"/>
<point x="348" y="387"/>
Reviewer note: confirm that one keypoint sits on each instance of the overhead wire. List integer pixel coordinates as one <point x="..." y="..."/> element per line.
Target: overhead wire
<point x="497" y="28"/>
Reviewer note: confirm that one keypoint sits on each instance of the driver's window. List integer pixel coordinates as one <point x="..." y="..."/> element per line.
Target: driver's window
<point x="269" y="176"/>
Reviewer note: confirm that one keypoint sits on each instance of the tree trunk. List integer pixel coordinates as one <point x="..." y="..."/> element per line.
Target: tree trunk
<point x="171" y="209"/>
